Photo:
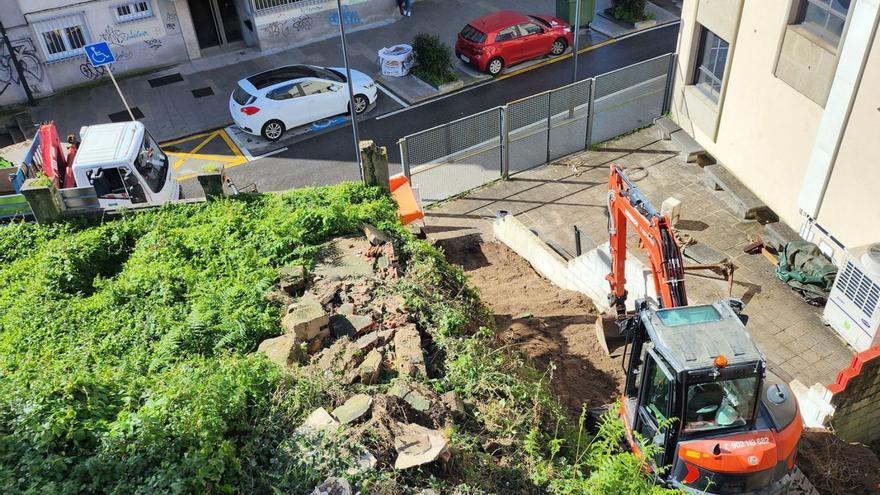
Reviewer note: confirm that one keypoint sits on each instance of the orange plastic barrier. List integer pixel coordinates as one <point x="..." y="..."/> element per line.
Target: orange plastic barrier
<point x="407" y="207"/>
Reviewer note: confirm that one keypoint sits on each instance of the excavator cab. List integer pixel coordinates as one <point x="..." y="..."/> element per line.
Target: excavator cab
<point x="703" y="404"/>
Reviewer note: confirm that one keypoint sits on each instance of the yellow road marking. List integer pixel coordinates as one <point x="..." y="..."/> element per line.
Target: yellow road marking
<point x="557" y="59"/>
<point x="188" y="138"/>
<point x="231" y="144"/>
<point x="219" y="158"/>
<point x="211" y="136"/>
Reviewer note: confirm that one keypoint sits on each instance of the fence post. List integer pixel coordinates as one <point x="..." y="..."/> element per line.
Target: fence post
<point x="670" y="83"/>
<point x="505" y="142"/>
<point x="549" y="122"/>
<point x="591" y="111"/>
<point x="404" y="158"/>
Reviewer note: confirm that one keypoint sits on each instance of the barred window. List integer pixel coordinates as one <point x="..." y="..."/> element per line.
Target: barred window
<point x="62" y="37"/>
<point x="133" y="11"/>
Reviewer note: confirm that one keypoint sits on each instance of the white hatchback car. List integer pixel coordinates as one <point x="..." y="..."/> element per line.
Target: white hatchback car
<point x="271" y="102"/>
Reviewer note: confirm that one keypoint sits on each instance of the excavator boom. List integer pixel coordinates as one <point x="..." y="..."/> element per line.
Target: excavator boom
<point x="626" y="203"/>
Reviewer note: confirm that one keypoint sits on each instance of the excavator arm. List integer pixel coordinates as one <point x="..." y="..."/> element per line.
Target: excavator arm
<point x="628" y="205"/>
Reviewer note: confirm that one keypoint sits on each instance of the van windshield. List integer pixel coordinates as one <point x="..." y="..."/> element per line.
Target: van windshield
<point x="152" y="164"/>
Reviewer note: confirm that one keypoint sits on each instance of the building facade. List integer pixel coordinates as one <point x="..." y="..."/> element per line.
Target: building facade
<point x="47" y="36"/>
<point x="786" y="95"/>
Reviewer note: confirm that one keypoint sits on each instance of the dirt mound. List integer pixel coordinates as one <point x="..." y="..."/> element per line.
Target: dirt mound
<point x="836" y="467"/>
<point x="551" y="325"/>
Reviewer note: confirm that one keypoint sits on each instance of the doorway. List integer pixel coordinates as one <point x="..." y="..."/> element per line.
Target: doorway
<point x="216" y="22"/>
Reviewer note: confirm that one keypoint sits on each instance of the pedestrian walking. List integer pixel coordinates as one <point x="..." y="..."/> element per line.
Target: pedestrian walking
<point x="405" y="7"/>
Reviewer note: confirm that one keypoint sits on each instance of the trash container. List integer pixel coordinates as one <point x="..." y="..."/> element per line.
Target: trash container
<point x="565" y="10"/>
<point x="397" y="60"/>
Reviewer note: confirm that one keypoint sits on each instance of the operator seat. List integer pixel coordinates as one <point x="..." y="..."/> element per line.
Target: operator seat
<point x="703" y="402"/>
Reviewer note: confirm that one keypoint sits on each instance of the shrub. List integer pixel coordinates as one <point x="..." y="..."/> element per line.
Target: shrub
<point x="631" y="11"/>
<point x="434" y="60"/>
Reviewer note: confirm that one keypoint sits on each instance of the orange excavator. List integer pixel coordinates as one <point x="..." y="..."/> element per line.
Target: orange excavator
<point x="698" y="397"/>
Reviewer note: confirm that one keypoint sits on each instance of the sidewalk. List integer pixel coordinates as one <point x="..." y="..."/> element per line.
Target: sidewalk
<point x="552" y="199"/>
<point x="173" y="111"/>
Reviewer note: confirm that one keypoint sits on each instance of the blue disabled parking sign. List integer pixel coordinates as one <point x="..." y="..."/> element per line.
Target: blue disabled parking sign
<point x="99" y="54"/>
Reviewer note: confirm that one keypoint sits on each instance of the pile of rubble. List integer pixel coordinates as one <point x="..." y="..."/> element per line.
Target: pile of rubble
<point x="342" y="321"/>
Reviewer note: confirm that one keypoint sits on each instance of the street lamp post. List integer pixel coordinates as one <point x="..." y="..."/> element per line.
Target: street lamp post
<point x="354" y="123"/>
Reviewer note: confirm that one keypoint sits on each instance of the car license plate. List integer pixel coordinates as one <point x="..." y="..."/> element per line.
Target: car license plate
<point x="466" y="60"/>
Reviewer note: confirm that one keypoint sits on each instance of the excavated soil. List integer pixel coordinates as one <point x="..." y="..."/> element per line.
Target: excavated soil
<point x="836" y="467"/>
<point x="554" y="327"/>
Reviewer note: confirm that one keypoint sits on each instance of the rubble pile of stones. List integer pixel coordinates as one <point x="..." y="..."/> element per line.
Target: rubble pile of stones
<point x="341" y="321"/>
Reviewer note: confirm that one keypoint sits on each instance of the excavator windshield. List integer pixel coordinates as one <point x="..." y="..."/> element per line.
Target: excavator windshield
<point x="720" y="404"/>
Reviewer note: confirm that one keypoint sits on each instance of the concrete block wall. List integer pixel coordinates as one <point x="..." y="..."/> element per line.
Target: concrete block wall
<point x="318" y="19"/>
<point x="584" y="274"/>
<point x="856" y="399"/>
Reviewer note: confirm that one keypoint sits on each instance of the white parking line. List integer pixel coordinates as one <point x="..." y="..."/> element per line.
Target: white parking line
<point x="393" y="96"/>
<point x="233" y="135"/>
<point x="273" y="152"/>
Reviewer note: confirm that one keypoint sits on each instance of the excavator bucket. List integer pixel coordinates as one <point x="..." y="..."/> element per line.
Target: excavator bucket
<point x="609" y="336"/>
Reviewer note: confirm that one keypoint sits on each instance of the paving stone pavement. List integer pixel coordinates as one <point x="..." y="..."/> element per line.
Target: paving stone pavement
<point x="552" y="199"/>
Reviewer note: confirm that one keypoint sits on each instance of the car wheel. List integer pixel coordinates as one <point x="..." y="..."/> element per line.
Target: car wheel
<point x="558" y="47"/>
<point x="495" y="66"/>
<point x="273" y="130"/>
<point x="361" y="103"/>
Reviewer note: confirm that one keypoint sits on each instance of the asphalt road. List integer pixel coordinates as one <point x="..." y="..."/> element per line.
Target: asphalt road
<point x="328" y="158"/>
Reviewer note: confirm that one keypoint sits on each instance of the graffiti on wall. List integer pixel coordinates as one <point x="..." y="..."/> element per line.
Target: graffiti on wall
<point x="350" y="17"/>
<point x="91" y="72"/>
<point x="302" y="23"/>
<point x="118" y="40"/>
<point x="277" y="29"/>
<point x="115" y="36"/>
<point x="171" y="21"/>
<point x="154" y="43"/>
<point x="26" y="53"/>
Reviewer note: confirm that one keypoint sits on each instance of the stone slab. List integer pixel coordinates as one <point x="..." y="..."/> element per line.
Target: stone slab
<point x="353" y="409"/>
<point x="283" y="351"/>
<point x="747" y="205"/>
<point x="408" y="351"/>
<point x="778" y="234"/>
<point x="690" y="149"/>
<point x="665" y="127"/>
<point x="704" y="255"/>
<point x="305" y="319"/>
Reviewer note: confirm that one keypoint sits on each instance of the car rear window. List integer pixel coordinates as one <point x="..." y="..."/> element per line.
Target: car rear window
<point x="473" y="35"/>
<point x="241" y="96"/>
<point x="540" y="21"/>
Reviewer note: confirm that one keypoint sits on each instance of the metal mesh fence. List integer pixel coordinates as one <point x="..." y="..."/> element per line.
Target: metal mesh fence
<point x="629" y="98"/>
<point x="627" y="77"/>
<point x="456" y="157"/>
<point x="467" y="153"/>
<point x="446" y="140"/>
<point x="569" y="109"/>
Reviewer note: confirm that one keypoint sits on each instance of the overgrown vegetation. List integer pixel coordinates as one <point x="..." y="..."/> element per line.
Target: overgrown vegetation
<point x="433" y="60"/>
<point x="126" y="362"/>
<point x="630" y="11"/>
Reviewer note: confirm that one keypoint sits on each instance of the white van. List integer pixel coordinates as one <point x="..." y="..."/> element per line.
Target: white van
<point x="125" y="165"/>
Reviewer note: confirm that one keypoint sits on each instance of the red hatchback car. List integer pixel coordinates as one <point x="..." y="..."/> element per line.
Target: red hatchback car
<point x="503" y="38"/>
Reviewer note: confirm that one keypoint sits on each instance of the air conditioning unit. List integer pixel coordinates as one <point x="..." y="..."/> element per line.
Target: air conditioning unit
<point x="853" y="307"/>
